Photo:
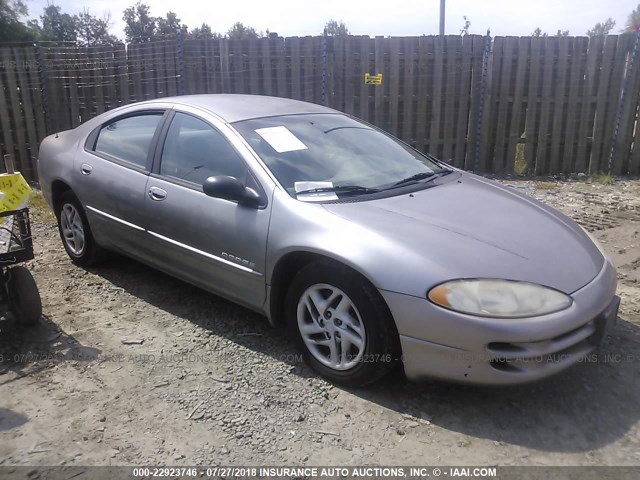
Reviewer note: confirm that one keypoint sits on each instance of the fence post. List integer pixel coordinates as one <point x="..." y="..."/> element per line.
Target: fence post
<point x="628" y="75"/>
<point x="224" y="52"/>
<point x="180" y="62"/>
<point x="483" y="88"/>
<point x="43" y="87"/>
<point x="323" y="88"/>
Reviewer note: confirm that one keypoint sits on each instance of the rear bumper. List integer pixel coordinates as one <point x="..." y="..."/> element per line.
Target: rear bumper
<point x="437" y="343"/>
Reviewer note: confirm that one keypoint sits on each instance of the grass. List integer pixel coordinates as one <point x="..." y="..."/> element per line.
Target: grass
<point x="604" y="178"/>
<point x="39" y="208"/>
<point x="520" y="166"/>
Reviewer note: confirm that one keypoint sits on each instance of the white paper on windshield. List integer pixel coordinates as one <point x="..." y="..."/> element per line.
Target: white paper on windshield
<point x="314" y="196"/>
<point x="302" y="186"/>
<point x="281" y="139"/>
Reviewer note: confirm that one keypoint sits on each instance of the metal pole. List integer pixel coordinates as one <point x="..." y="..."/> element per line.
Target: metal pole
<point x="42" y="78"/>
<point x="483" y="88"/>
<point x="442" y="2"/>
<point x="180" y="62"/>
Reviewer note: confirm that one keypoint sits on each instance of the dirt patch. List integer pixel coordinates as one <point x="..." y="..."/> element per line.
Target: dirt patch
<point x="131" y="366"/>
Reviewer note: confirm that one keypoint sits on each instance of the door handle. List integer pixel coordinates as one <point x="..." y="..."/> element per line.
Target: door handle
<point x="157" y="194"/>
<point x="85" y="169"/>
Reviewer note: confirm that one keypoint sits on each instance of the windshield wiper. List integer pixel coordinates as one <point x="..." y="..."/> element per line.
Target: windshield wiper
<point x="422" y="176"/>
<point x="341" y="189"/>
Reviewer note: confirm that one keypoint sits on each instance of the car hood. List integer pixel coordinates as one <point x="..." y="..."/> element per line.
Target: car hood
<point x="470" y="227"/>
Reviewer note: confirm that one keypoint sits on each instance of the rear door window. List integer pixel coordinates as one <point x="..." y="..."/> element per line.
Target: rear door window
<point x="128" y="139"/>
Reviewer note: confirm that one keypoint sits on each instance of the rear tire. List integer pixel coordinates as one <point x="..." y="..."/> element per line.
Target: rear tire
<point x="24" y="297"/>
<point x="75" y="232"/>
<point x="341" y="324"/>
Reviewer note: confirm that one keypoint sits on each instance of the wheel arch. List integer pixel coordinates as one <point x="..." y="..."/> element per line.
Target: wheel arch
<point x="286" y="268"/>
<point x="58" y="188"/>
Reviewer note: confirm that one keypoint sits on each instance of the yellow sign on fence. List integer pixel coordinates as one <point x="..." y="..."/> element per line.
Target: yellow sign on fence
<point x="373" y="79"/>
<point x="14" y="192"/>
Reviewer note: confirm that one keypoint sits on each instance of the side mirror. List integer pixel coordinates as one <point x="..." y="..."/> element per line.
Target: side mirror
<point x="230" y="188"/>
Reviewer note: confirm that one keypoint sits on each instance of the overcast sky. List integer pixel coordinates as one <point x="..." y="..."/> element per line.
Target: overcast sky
<point x="371" y="17"/>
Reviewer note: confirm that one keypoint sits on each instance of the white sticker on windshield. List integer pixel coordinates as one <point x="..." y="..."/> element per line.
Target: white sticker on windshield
<point x="305" y="191"/>
<point x="281" y="139"/>
<point x="302" y="186"/>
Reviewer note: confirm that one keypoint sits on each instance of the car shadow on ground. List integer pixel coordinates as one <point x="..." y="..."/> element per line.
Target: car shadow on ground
<point x="25" y="351"/>
<point x="584" y="408"/>
<point x="10" y="419"/>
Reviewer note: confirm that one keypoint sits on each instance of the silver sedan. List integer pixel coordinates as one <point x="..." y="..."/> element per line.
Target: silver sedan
<point x="371" y="253"/>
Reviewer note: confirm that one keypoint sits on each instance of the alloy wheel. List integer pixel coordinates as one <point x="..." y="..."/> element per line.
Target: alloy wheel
<point x="331" y="327"/>
<point x="72" y="229"/>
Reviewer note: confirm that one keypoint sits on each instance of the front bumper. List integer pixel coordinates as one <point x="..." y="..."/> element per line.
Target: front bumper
<point x="438" y="343"/>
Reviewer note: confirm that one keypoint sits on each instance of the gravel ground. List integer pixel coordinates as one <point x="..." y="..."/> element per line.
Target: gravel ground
<point x="130" y="366"/>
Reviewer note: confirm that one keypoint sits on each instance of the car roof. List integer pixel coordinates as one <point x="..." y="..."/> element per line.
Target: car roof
<point x="234" y="107"/>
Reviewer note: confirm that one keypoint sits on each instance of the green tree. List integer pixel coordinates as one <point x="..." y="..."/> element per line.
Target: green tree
<point x="11" y="28"/>
<point x="140" y="25"/>
<point x="601" y="29"/>
<point x="240" y="32"/>
<point x="465" y="28"/>
<point x="562" y="33"/>
<point x="538" y="33"/>
<point x="57" y="26"/>
<point x="203" y="32"/>
<point x="335" y="28"/>
<point x="93" y="31"/>
<point x="633" y="21"/>
<point x="170" y="25"/>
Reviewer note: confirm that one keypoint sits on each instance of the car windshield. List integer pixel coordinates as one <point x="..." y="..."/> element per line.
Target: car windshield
<point x="323" y="152"/>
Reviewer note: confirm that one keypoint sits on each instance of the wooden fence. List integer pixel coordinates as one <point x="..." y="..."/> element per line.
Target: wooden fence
<point x="544" y="105"/>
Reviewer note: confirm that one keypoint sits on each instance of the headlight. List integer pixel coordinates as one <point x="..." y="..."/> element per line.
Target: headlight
<point x="498" y="298"/>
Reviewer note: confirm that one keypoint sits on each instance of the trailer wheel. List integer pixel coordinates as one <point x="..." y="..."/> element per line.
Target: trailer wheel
<point x="24" y="297"/>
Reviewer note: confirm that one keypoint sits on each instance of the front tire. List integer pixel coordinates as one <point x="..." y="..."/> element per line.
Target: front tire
<point x="341" y="324"/>
<point x="24" y="297"/>
<point x="75" y="232"/>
